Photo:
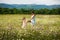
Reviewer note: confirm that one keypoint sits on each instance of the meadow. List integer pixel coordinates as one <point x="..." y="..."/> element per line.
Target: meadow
<point x="47" y="27"/>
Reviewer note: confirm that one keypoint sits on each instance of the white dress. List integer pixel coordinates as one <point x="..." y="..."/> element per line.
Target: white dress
<point x="33" y="20"/>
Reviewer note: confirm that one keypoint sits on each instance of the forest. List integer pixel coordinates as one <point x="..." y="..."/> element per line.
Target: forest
<point x="44" y="11"/>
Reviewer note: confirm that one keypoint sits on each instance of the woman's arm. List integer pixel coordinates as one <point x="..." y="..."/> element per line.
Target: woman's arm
<point x="32" y="17"/>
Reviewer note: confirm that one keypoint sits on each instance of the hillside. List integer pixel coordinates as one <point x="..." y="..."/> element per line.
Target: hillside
<point x="28" y="6"/>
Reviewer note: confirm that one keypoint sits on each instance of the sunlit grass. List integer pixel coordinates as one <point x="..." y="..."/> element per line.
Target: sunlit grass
<point x="47" y="28"/>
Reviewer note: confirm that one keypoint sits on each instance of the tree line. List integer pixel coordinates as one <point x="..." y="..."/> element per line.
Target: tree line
<point x="28" y="11"/>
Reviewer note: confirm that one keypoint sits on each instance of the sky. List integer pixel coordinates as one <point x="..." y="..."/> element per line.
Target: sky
<point x="39" y="2"/>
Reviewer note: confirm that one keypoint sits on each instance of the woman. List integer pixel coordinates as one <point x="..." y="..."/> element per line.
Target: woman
<point x="33" y="19"/>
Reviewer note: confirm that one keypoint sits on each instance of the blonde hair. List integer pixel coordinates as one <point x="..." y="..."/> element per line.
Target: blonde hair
<point x="23" y="18"/>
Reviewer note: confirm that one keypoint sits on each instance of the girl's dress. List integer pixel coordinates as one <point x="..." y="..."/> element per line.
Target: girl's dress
<point x="24" y="24"/>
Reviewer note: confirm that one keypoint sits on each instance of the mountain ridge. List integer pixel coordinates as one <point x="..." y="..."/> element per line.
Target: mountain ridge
<point x="28" y="6"/>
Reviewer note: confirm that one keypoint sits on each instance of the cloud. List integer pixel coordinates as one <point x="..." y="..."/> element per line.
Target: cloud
<point x="46" y="2"/>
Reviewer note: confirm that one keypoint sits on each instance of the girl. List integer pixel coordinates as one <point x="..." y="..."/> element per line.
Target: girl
<point x="24" y="22"/>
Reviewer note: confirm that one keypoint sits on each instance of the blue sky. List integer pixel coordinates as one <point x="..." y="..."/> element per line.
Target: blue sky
<point x="39" y="2"/>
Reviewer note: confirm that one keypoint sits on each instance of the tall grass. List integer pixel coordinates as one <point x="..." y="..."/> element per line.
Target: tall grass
<point x="47" y="28"/>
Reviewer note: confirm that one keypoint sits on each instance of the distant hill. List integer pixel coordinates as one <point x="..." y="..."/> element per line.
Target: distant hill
<point x="28" y="6"/>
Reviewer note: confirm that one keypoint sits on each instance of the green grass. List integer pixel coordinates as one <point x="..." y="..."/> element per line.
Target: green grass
<point x="47" y="28"/>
